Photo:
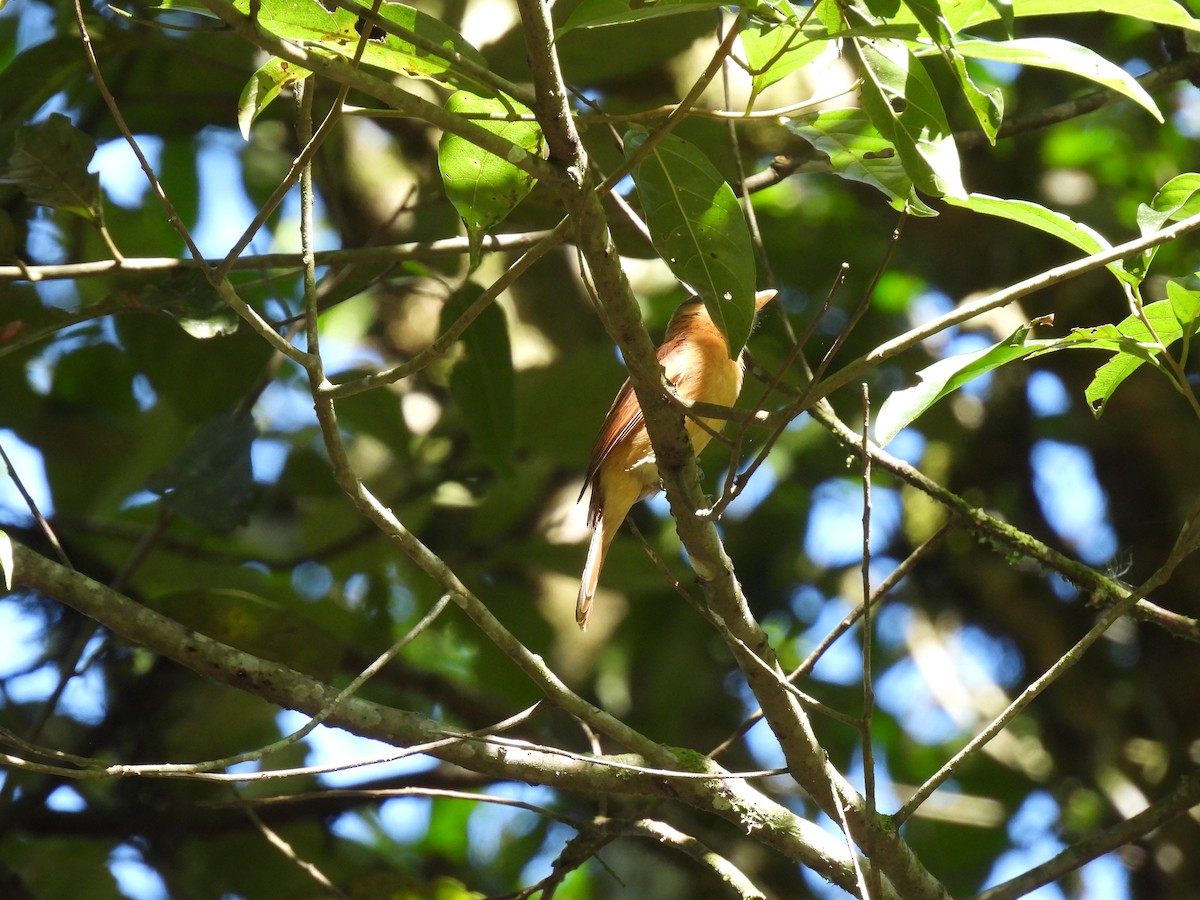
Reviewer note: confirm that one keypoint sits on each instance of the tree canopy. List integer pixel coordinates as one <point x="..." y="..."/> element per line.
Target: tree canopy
<point x="310" y="311"/>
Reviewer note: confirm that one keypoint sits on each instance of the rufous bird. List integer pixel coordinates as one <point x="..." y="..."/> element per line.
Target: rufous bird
<point x="621" y="469"/>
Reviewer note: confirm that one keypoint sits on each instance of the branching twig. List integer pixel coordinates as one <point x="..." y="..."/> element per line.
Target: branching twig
<point x="1184" y="797"/>
<point x="845" y="625"/>
<point x="1184" y="546"/>
<point x="967" y="311"/>
<point x="1102" y="587"/>
<point x="729" y="798"/>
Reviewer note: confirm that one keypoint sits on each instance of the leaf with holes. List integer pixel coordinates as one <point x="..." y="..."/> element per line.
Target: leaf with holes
<point x="263" y="87"/>
<point x="903" y="104"/>
<point x="1172" y="319"/>
<point x="483" y="187"/>
<point x="698" y="228"/>
<point x="858" y="152"/>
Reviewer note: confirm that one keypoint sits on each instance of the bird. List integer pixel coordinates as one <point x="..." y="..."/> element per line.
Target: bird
<point x="621" y="468"/>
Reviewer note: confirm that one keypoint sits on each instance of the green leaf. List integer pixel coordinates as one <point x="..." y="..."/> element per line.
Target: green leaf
<point x="858" y="152"/>
<point x="1036" y="216"/>
<point x="597" y="13"/>
<point x="1175" y="200"/>
<point x="192" y="301"/>
<point x="699" y="230"/>
<point x="7" y="567"/>
<point x="1062" y="56"/>
<point x="338" y="32"/>
<point x="831" y="15"/>
<point x="1162" y="12"/>
<point x="774" y="51"/>
<point x="263" y="87"/>
<point x="49" y="164"/>
<point x="988" y="106"/>
<point x="483" y="187"/>
<point x="483" y="381"/>
<point x="1171" y="319"/>
<point x="1185" y="305"/>
<point x="903" y="407"/>
<point x="1050" y="221"/>
<point x="211" y="481"/>
<point x="904" y="106"/>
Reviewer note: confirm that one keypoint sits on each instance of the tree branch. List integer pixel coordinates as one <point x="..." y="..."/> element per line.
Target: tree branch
<point x="701" y="784"/>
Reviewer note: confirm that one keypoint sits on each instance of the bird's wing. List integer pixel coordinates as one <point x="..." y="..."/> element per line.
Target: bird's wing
<point x="623" y="417"/>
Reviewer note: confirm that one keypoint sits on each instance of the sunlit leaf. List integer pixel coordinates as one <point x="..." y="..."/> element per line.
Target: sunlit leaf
<point x="483" y="187"/>
<point x="858" y="152"/>
<point x="263" y="87"/>
<point x="699" y="230"/>
<point x="338" y="30"/>
<point x="774" y="51"/>
<point x="49" y="164"/>
<point x="1185" y="305"/>
<point x="987" y="106"/>
<point x="1063" y="56"/>
<point x="483" y="381"/>
<point x="1169" y="318"/>
<point x="903" y="407"/>
<point x="1162" y="12"/>
<point x="904" y="106"/>
<point x="1178" y="199"/>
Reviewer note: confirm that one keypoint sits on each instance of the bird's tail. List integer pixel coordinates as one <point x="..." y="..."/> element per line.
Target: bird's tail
<point x="591" y="575"/>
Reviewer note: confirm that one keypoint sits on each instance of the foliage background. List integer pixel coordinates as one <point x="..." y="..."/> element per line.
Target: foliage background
<point x="104" y="416"/>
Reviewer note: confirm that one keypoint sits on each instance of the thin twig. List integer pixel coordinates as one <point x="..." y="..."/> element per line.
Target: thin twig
<point x="158" y="267"/>
<point x="857" y="315"/>
<point x="276" y="840"/>
<point x="854" y="370"/>
<point x="1184" y="546"/>
<point x="43" y="526"/>
<point x="1011" y="539"/>
<point x="731" y="878"/>
<point x="735" y="481"/>
<point x="868" y="750"/>
<point x="853" y="616"/>
<point x="1184" y="797"/>
<point x="119" y="120"/>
